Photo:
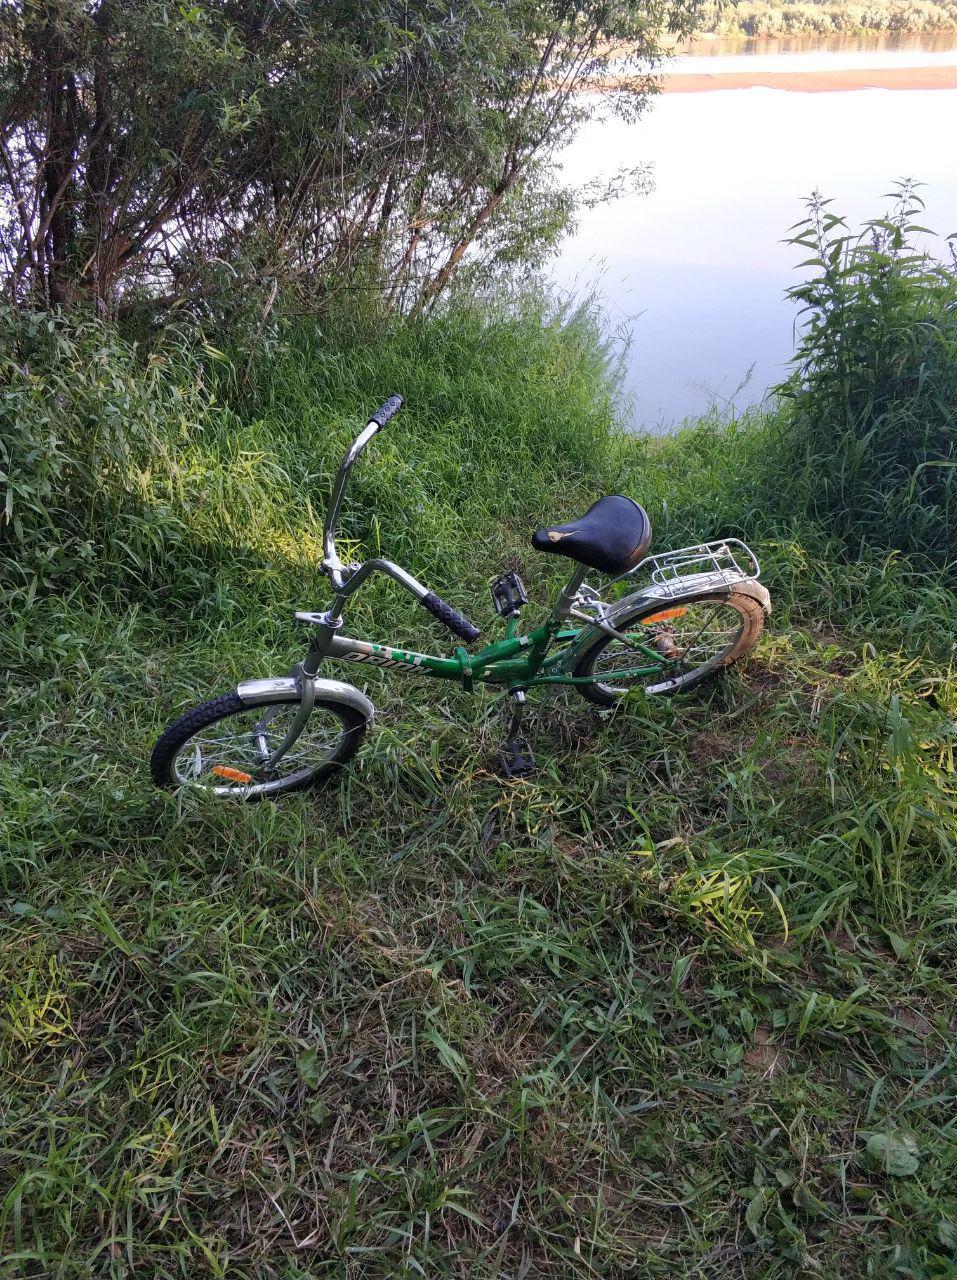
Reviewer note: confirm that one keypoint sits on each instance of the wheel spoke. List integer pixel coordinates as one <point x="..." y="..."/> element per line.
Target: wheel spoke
<point x="237" y="742"/>
<point x="689" y="647"/>
<point x="706" y="630"/>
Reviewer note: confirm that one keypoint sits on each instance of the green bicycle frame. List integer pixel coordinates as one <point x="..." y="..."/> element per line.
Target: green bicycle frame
<point x="542" y="656"/>
<point x="517" y="661"/>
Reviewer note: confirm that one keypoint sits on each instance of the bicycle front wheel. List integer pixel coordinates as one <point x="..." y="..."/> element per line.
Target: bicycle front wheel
<point x="670" y="646"/>
<point x="222" y="747"/>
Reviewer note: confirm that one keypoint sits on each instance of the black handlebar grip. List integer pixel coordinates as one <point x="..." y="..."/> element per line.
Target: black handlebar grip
<point x="387" y="410"/>
<point x="455" y="621"/>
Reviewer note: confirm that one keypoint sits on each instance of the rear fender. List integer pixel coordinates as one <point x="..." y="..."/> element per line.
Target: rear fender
<point x="651" y="595"/>
<point x="654" y="595"/>
<point x="756" y="590"/>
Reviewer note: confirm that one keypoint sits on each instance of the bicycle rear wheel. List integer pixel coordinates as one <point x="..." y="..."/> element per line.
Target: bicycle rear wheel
<point x="689" y="641"/>
<point x="222" y="747"/>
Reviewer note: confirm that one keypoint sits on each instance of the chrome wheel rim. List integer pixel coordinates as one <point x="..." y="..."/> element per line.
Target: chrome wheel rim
<point x="240" y="743"/>
<point x="701" y="637"/>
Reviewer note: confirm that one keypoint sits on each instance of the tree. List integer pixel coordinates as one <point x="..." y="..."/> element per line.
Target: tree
<point x="166" y="148"/>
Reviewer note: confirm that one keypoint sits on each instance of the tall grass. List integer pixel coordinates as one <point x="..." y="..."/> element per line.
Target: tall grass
<point x="871" y="436"/>
<point x="679" y="1005"/>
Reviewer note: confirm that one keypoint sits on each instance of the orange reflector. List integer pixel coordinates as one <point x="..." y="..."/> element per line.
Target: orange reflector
<point x="233" y="775"/>
<point x="664" y="616"/>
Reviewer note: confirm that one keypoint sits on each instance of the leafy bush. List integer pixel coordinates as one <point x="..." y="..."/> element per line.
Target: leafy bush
<point x="872" y="425"/>
<point x="85" y="422"/>
<point x="295" y="144"/>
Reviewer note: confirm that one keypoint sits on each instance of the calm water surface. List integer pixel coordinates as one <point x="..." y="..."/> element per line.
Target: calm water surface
<point x="696" y="270"/>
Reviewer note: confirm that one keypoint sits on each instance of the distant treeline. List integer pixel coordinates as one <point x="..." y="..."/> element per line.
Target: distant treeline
<point x="770" y="18"/>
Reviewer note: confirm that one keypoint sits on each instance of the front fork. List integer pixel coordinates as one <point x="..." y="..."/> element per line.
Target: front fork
<point x="346" y="582"/>
<point x="307" y="701"/>
<point x="304" y="673"/>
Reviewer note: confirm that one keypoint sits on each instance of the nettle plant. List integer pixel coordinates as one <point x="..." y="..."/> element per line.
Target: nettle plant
<point x="873" y="397"/>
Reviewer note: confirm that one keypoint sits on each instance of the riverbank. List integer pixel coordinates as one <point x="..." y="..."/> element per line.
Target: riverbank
<point x="824" y="81"/>
<point x="680" y="996"/>
<point x="761" y="18"/>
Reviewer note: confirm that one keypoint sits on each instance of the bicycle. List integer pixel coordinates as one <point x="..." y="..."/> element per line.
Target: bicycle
<point x="701" y="609"/>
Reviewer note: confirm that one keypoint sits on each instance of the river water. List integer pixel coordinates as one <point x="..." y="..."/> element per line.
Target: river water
<point x="693" y="273"/>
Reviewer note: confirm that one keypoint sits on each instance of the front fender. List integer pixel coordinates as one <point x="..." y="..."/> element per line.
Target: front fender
<point x="287" y="689"/>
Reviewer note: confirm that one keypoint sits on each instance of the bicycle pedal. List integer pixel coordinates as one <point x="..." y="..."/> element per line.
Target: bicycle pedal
<point x="516" y="759"/>
<point x="508" y="595"/>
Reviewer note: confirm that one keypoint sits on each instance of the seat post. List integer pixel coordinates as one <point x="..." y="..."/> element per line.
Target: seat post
<point x="569" y="593"/>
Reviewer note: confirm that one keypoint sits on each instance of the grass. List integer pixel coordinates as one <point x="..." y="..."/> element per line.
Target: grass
<point x="681" y="1005"/>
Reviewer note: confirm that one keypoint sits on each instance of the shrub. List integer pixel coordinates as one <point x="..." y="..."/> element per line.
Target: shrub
<point x="872" y="425"/>
<point x="85" y="421"/>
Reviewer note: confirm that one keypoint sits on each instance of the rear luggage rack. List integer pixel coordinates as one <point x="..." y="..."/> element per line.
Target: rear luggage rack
<point x="702" y="567"/>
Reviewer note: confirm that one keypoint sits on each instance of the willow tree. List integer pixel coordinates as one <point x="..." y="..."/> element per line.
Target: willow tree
<point x="169" y="150"/>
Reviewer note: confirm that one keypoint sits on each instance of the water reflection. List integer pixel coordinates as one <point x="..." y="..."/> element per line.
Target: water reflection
<point x="877" y="42"/>
<point x="696" y="270"/>
<point x="815" y="55"/>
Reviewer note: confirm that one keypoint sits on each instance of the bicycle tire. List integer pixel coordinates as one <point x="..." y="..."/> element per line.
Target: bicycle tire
<point x="171" y="742"/>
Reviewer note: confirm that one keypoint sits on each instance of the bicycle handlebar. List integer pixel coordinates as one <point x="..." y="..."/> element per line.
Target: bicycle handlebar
<point x="330" y="560"/>
<point x="345" y="581"/>
<point x="387" y="411"/>
<point x="456" y="622"/>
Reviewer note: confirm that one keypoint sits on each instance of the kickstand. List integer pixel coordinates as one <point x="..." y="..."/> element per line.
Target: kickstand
<point x="516" y="757"/>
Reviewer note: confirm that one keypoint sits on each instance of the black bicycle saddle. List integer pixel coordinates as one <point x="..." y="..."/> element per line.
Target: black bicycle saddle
<point x="612" y="536"/>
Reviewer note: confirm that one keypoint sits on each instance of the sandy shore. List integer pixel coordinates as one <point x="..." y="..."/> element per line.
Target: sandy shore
<point x="815" y="81"/>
